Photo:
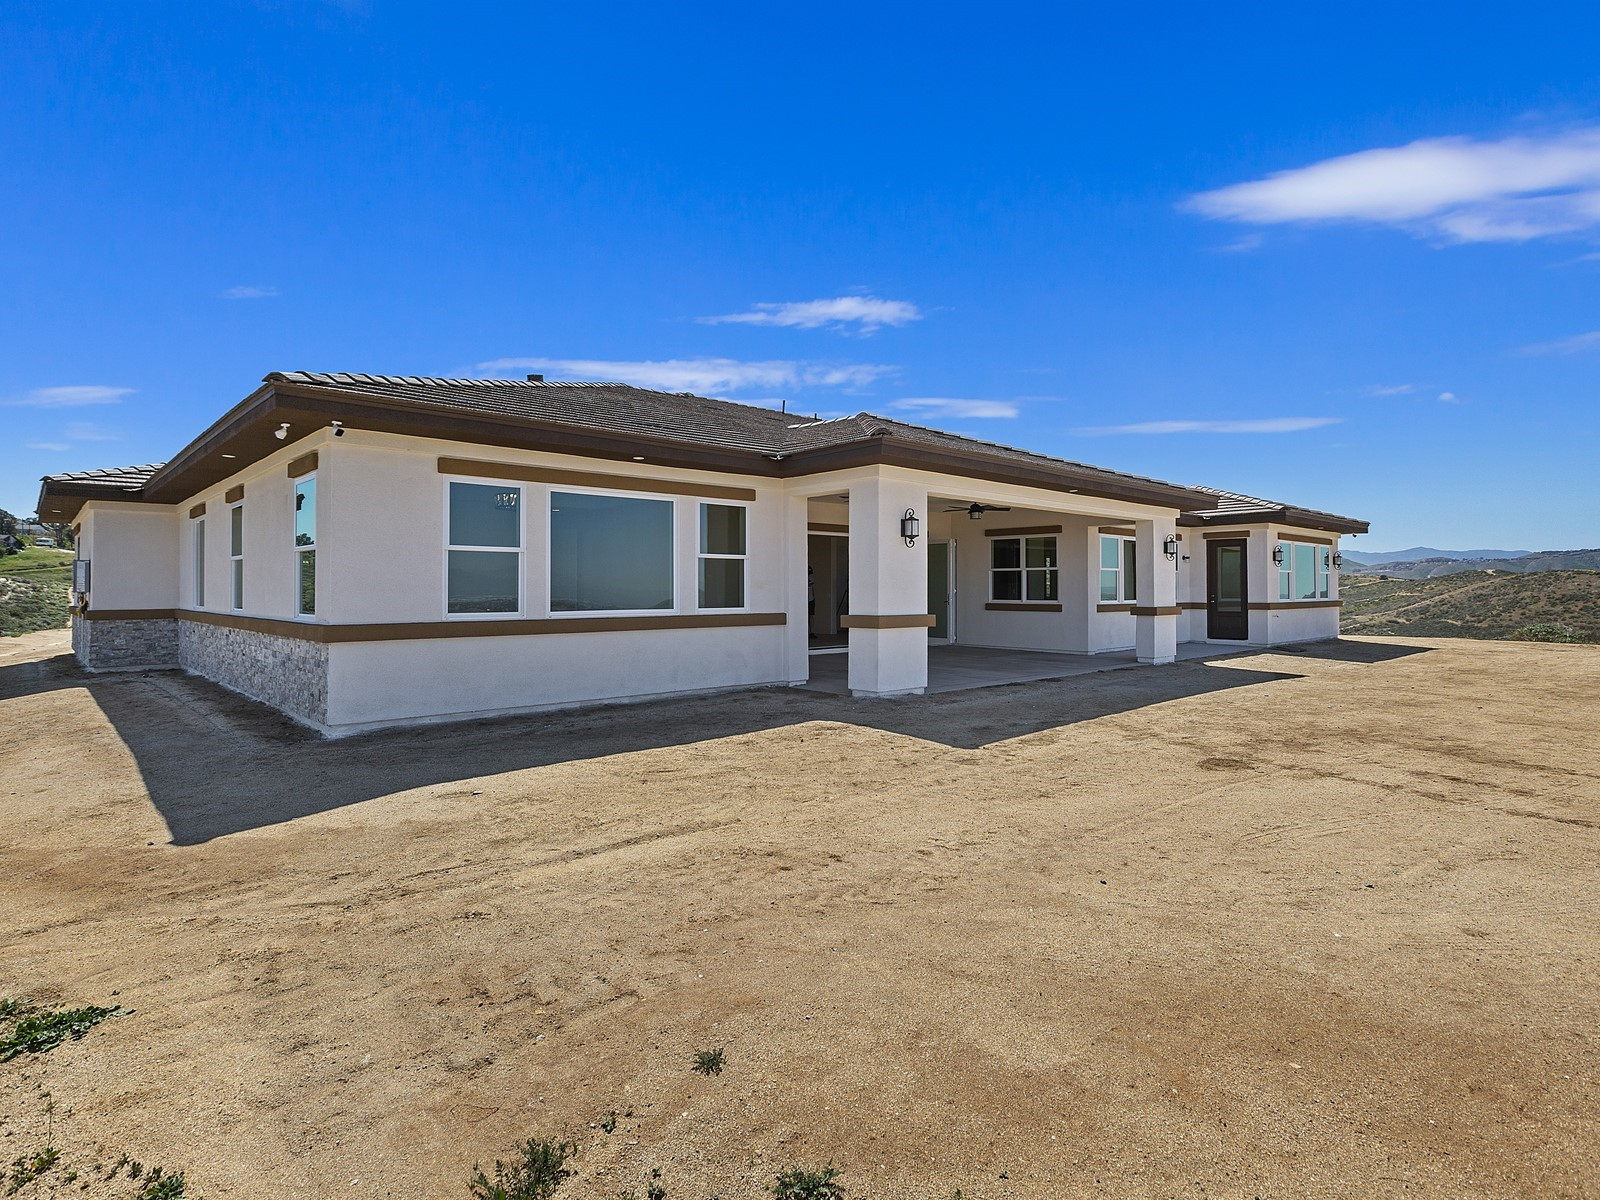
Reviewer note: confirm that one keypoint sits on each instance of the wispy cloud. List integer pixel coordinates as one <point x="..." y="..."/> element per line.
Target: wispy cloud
<point x="940" y="408"/>
<point x="705" y="375"/>
<point x="249" y="292"/>
<point x="1393" y="389"/>
<point x="1450" y="397"/>
<point x="75" y="396"/>
<point x="1267" y="425"/>
<point x="866" y="314"/>
<point x="1248" y="244"/>
<point x="1454" y="188"/>
<point x="52" y="446"/>
<point x="1569" y="345"/>
<point x="88" y="431"/>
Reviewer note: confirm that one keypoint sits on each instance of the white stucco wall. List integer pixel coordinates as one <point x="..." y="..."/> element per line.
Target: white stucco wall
<point x="1271" y="620"/>
<point x="132" y="553"/>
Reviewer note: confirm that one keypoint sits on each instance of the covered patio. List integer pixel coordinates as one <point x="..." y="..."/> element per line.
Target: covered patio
<point x="958" y="668"/>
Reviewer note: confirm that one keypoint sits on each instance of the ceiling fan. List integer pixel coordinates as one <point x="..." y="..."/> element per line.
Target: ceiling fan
<point x="976" y="511"/>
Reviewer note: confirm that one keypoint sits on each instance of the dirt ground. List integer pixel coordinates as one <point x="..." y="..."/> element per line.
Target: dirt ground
<point x="1279" y="925"/>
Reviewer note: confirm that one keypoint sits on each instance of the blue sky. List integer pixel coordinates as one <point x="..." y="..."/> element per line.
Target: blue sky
<point x="1348" y="258"/>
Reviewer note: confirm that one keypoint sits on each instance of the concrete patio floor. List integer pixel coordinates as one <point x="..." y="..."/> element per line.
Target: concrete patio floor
<point x="957" y="668"/>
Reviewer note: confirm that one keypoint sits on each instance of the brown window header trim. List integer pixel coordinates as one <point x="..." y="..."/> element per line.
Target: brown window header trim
<point x="1023" y="531"/>
<point x="1165" y="611"/>
<point x="819" y="527"/>
<point x="1002" y="606"/>
<point x="1223" y="535"/>
<point x="303" y="465"/>
<point x="235" y="494"/>
<point x="199" y="510"/>
<point x="307" y="631"/>
<point x="886" y="621"/>
<point x="1304" y="537"/>
<point x="1118" y="531"/>
<point x="480" y="469"/>
<point x="1276" y="605"/>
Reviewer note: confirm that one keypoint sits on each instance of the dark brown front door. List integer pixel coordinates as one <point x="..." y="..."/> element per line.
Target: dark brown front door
<point x="1226" y="615"/>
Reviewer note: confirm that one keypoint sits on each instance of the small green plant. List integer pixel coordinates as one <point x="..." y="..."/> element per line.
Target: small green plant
<point x="36" y="1031"/>
<point x="796" y="1183"/>
<point x="710" y="1062"/>
<point x="653" y="1189"/>
<point x="609" y="1124"/>
<point x="28" y="1167"/>
<point x="535" y="1174"/>
<point x="158" y="1186"/>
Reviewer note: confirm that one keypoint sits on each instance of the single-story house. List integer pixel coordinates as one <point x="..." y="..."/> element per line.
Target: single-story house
<point x="366" y="550"/>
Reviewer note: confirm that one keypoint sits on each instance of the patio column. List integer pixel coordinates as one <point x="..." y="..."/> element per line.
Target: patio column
<point x="888" y="618"/>
<point x="1155" y="614"/>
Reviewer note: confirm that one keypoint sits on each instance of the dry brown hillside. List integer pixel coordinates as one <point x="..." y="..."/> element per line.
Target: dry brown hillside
<point x="1482" y="604"/>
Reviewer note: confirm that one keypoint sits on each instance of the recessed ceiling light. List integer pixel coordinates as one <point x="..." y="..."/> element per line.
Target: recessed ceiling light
<point x="230" y="456"/>
<point x="638" y="458"/>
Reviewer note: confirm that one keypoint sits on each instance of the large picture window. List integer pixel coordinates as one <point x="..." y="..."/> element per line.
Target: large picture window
<point x="1024" y="569"/>
<point x="1304" y="572"/>
<point x="236" y="554"/>
<point x="722" y="556"/>
<point x="305" y="545"/>
<point x="483" y="569"/>
<point x="610" y="553"/>
<point x="1119" y="576"/>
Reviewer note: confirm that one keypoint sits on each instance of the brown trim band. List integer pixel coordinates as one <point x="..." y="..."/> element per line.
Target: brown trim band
<point x="1118" y="531"/>
<point x="480" y="469"/>
<point x="199" y="510"/>
<point x="1002" y="607"/>
<point x="819" y="527"/>
<point x="1165" y="611"/>
<point x="1222" y="535"/>
<point x="886" y="621"/>
<point x="303" y="465"/>
<point x="1286" y="604"/>
<point x="1022" y="531"/>
<point x="1117" y="607"/>
<point x="1305" y="537"/>
<point x="307" y="631"/>
<point x="234" y="494"/>
<point x="1194" y="605"/>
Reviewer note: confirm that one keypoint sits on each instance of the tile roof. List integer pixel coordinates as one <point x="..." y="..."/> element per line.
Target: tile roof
<point x="1237" y="504"/>
<point x="674" y="416"/>
<point x="128" y="479"/>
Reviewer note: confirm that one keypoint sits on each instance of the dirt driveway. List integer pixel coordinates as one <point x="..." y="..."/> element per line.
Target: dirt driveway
<point x="1282" y="925"/>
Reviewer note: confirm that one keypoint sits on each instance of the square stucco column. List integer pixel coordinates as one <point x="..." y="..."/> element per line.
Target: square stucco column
<point x="1155" y="614"/>
<point x="888" y="618"/>
<point x="795" y="560"/>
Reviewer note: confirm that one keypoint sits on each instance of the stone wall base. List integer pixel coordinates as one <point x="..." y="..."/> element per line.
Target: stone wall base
<point x="125" y="645"/>
<point x="289" y="674"/>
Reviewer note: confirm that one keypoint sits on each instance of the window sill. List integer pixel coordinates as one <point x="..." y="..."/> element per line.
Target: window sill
<point x="1122" y="606"/>
<point x="1019" y="606"/>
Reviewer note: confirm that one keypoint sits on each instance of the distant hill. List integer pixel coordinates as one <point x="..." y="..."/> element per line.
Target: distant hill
<point x="1482" y="604"/>
<point x="1431" y="568"/>
<point x="1368" y="557"/>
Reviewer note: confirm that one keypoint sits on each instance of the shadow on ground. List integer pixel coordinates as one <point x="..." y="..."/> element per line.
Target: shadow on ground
<point x="213" y="762"/>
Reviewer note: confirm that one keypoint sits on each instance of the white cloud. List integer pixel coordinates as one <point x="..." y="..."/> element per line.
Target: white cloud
<point x="1456" y="188"/>
<point x="956" y="410"/>
<point x="87" y="431"/>
<point x="1449" y="397"/>
<point x="1267" y="425"/>
<point x="71" y="397"/>
<point x="248" y="292"/>
<point x="1397" y="389"/>
<point x="866" y="313"/>
<point x="704" y="375"/>
<point x="52" y="446"/>
<point x="1248" y="244"/>
<point x="1571" y="345"/>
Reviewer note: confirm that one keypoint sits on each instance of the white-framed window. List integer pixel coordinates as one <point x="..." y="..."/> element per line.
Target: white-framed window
<point x="305" y="545"/>
<point x="611" y="552"/>
<point x="236" y="555"/>
<point x="1119" y="574"/>
<point x="200" y="562"/>
<point x="1304" y="572"/>
<point x="1024" y="569"/>
<point x="723" y="546"/>
<point x="483" y="548"/>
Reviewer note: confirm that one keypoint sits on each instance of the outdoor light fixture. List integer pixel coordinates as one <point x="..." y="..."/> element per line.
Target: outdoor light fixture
<point x="1170" y="547"/>
<point x="338" y="429"/>
<point x="281" y="432"/>
<point x="910" y="527"/>
<point x="1338" y="560"/>
<point x="1277" y="554"/>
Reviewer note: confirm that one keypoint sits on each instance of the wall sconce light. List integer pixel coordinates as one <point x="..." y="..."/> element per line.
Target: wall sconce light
<point x="1277" y="554"/>
<point x="1338" y="560"/>
<point x="1170" y="547"/>
<point x="910" y="528"/>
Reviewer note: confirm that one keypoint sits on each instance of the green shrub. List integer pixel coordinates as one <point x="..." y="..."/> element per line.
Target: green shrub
<point x="799" y="1184"/>
<point x="1545" y="631"/>
<point x="710" y="1062"/>
<point x="534" y="1175"/>
<point x="36" y="1031"/>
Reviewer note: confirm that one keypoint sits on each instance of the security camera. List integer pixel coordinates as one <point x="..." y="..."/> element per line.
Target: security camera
<point x="281" y="432"/>
<point x="338" y="429"/>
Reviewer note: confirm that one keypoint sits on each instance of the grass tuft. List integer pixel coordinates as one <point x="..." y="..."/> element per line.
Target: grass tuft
<point x="535" y="1174"/>
<point x="796" y="1183"/>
